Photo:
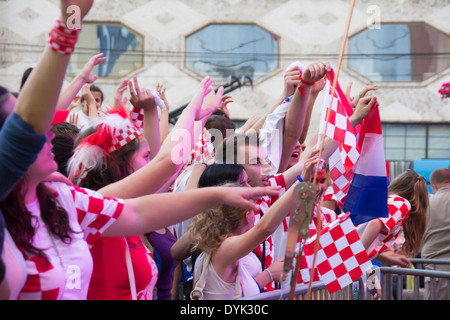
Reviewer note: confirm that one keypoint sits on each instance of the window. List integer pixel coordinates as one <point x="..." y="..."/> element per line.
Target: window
<point x="399" y="52"/>
<point x="122" y="47"/>
<point x="224" y="50"/>
<point x="416" y="141"/>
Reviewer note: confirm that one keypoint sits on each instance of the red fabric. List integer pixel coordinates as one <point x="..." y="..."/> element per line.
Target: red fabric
<point x="110" y="275"/>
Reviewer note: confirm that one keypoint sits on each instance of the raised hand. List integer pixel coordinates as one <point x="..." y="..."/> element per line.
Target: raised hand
<point x="205" y="101"/>
<point x="85" y="74"/>
<point x="140" y="98"/>
<point x="362" y="109"/>
<point x="315" y="71"/>
<point x="291" y="81"/>
<point x="119" y="99"/>
<point x="246" y="197"/>
<point x="224" y="104"/>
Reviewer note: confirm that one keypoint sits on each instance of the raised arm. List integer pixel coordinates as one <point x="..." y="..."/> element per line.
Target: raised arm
<point x="84" y="77"/>
<point x="173" y="152"/>
<point x="236" y="247"/>
<point x="37" y="101"/>
<point x="301" y="107"/>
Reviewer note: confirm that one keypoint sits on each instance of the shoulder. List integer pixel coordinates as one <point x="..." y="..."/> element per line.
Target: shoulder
<point x="398" y="203"/>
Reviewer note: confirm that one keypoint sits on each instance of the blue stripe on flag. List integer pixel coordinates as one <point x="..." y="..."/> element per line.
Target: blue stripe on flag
<point x="367" y="198"/>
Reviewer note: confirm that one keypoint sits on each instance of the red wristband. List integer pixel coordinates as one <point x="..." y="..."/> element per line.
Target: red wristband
<point x="306" y="83"/>
<point x="63" y="39"/>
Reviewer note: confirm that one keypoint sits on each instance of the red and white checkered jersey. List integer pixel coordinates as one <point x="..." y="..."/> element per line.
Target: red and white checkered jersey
<point x="399" y="209"/>
<point x="271" y="243"/>
<point x="65" y="270"/>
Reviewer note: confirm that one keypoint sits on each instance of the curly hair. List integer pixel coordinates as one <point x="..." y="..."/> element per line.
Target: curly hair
<point x="413" y="187"/>
<point x="210" y="228"/>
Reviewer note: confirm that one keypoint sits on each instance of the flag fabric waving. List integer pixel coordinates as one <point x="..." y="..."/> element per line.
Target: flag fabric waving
<point x="368" y="193"/>
<point x="341" y="256"/>
<point x="339" y="127"/>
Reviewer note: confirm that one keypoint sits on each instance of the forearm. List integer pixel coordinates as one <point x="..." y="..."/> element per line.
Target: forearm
<point x="294" y="123"/>
<point x="37" y="102"/>
<point x="152" y="130"/>
<point x="149" y="213"/>
<point x="164" y="125"/>
<point x="70" y="92"/>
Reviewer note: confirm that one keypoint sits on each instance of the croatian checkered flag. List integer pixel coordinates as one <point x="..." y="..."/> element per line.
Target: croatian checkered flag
<point x="339" y="127"/>
<point x="341" y="257"/>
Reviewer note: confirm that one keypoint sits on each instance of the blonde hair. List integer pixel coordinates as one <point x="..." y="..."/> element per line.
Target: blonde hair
<point x="210" y="228"/>
<point x="413" y="187"/>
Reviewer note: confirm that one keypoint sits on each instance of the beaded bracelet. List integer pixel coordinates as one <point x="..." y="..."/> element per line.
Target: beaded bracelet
<point x="63" y="39"/>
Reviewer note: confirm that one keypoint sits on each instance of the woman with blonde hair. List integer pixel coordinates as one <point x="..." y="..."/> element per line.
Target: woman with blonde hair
<point x="225" y="235"/>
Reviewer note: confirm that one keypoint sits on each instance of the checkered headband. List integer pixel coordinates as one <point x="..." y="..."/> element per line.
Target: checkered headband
<point x="114" y="130"/>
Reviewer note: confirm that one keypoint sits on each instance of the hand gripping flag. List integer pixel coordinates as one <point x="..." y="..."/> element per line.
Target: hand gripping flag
<point x="341" y="257"/>
<point x="368" y="193"/>
<point x="339" y="127"/>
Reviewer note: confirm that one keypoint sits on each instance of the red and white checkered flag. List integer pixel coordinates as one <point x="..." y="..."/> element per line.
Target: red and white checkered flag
<point x="340" y="180"/>
<point x="341" y="257"/>
<point x="339" y="127"/>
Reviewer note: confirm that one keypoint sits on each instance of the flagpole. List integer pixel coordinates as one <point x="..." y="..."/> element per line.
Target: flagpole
<point x="341" y="55"/>
<point x="322" y="142"/>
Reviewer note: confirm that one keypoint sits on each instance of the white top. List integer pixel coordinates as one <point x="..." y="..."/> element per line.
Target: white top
<point x="217" y="289"/>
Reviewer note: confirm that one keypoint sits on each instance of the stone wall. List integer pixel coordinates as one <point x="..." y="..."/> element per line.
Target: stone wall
<point x="311" y="28"/>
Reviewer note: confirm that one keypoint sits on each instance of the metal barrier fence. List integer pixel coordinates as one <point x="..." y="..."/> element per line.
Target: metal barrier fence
<point x="391" y="274"/>
<point x="359" y="291"/>
<point x="318" y="292"/>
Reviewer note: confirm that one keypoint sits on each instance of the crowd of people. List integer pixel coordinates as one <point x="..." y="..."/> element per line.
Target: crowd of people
<point x="110" y="204"/>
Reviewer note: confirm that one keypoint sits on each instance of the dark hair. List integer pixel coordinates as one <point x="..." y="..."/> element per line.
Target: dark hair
<point x="63" y="151"/>
<point x="25" y="77"/>
<point x="218" y="174"/>
<point x="67" y="129"/>
<point x="221" y="123"/>
<point x="94" y="88"/>
<point x="228" y="150"/>
<point x="20" y="222"/>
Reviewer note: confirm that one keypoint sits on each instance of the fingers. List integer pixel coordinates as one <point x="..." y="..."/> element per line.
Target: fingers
<point x="316" y="71"/>
<point x="367" y="89"/>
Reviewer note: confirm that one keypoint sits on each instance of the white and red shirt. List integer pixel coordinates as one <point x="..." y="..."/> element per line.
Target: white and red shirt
<point x="399" y="209"/>
<point x="65" y="271"/>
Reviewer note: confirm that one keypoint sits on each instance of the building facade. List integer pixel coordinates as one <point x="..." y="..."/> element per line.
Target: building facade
<point x="402" y="46"/>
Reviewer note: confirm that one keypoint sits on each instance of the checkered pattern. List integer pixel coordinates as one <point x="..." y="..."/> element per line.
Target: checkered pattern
<point x="203" y="150"/>
<point x="95" y="212"/>
<point x="340" y="180"/>
<point x="399" y="209"/>
<point x="264" y="204"/>
<point x="341" y="256"/>
<point x="137" y="117"/>
<point x="63" y="39"/>
<point x="339" y="127"/>
<point x="40" y="281"/>
<point x="121" y="138"/>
